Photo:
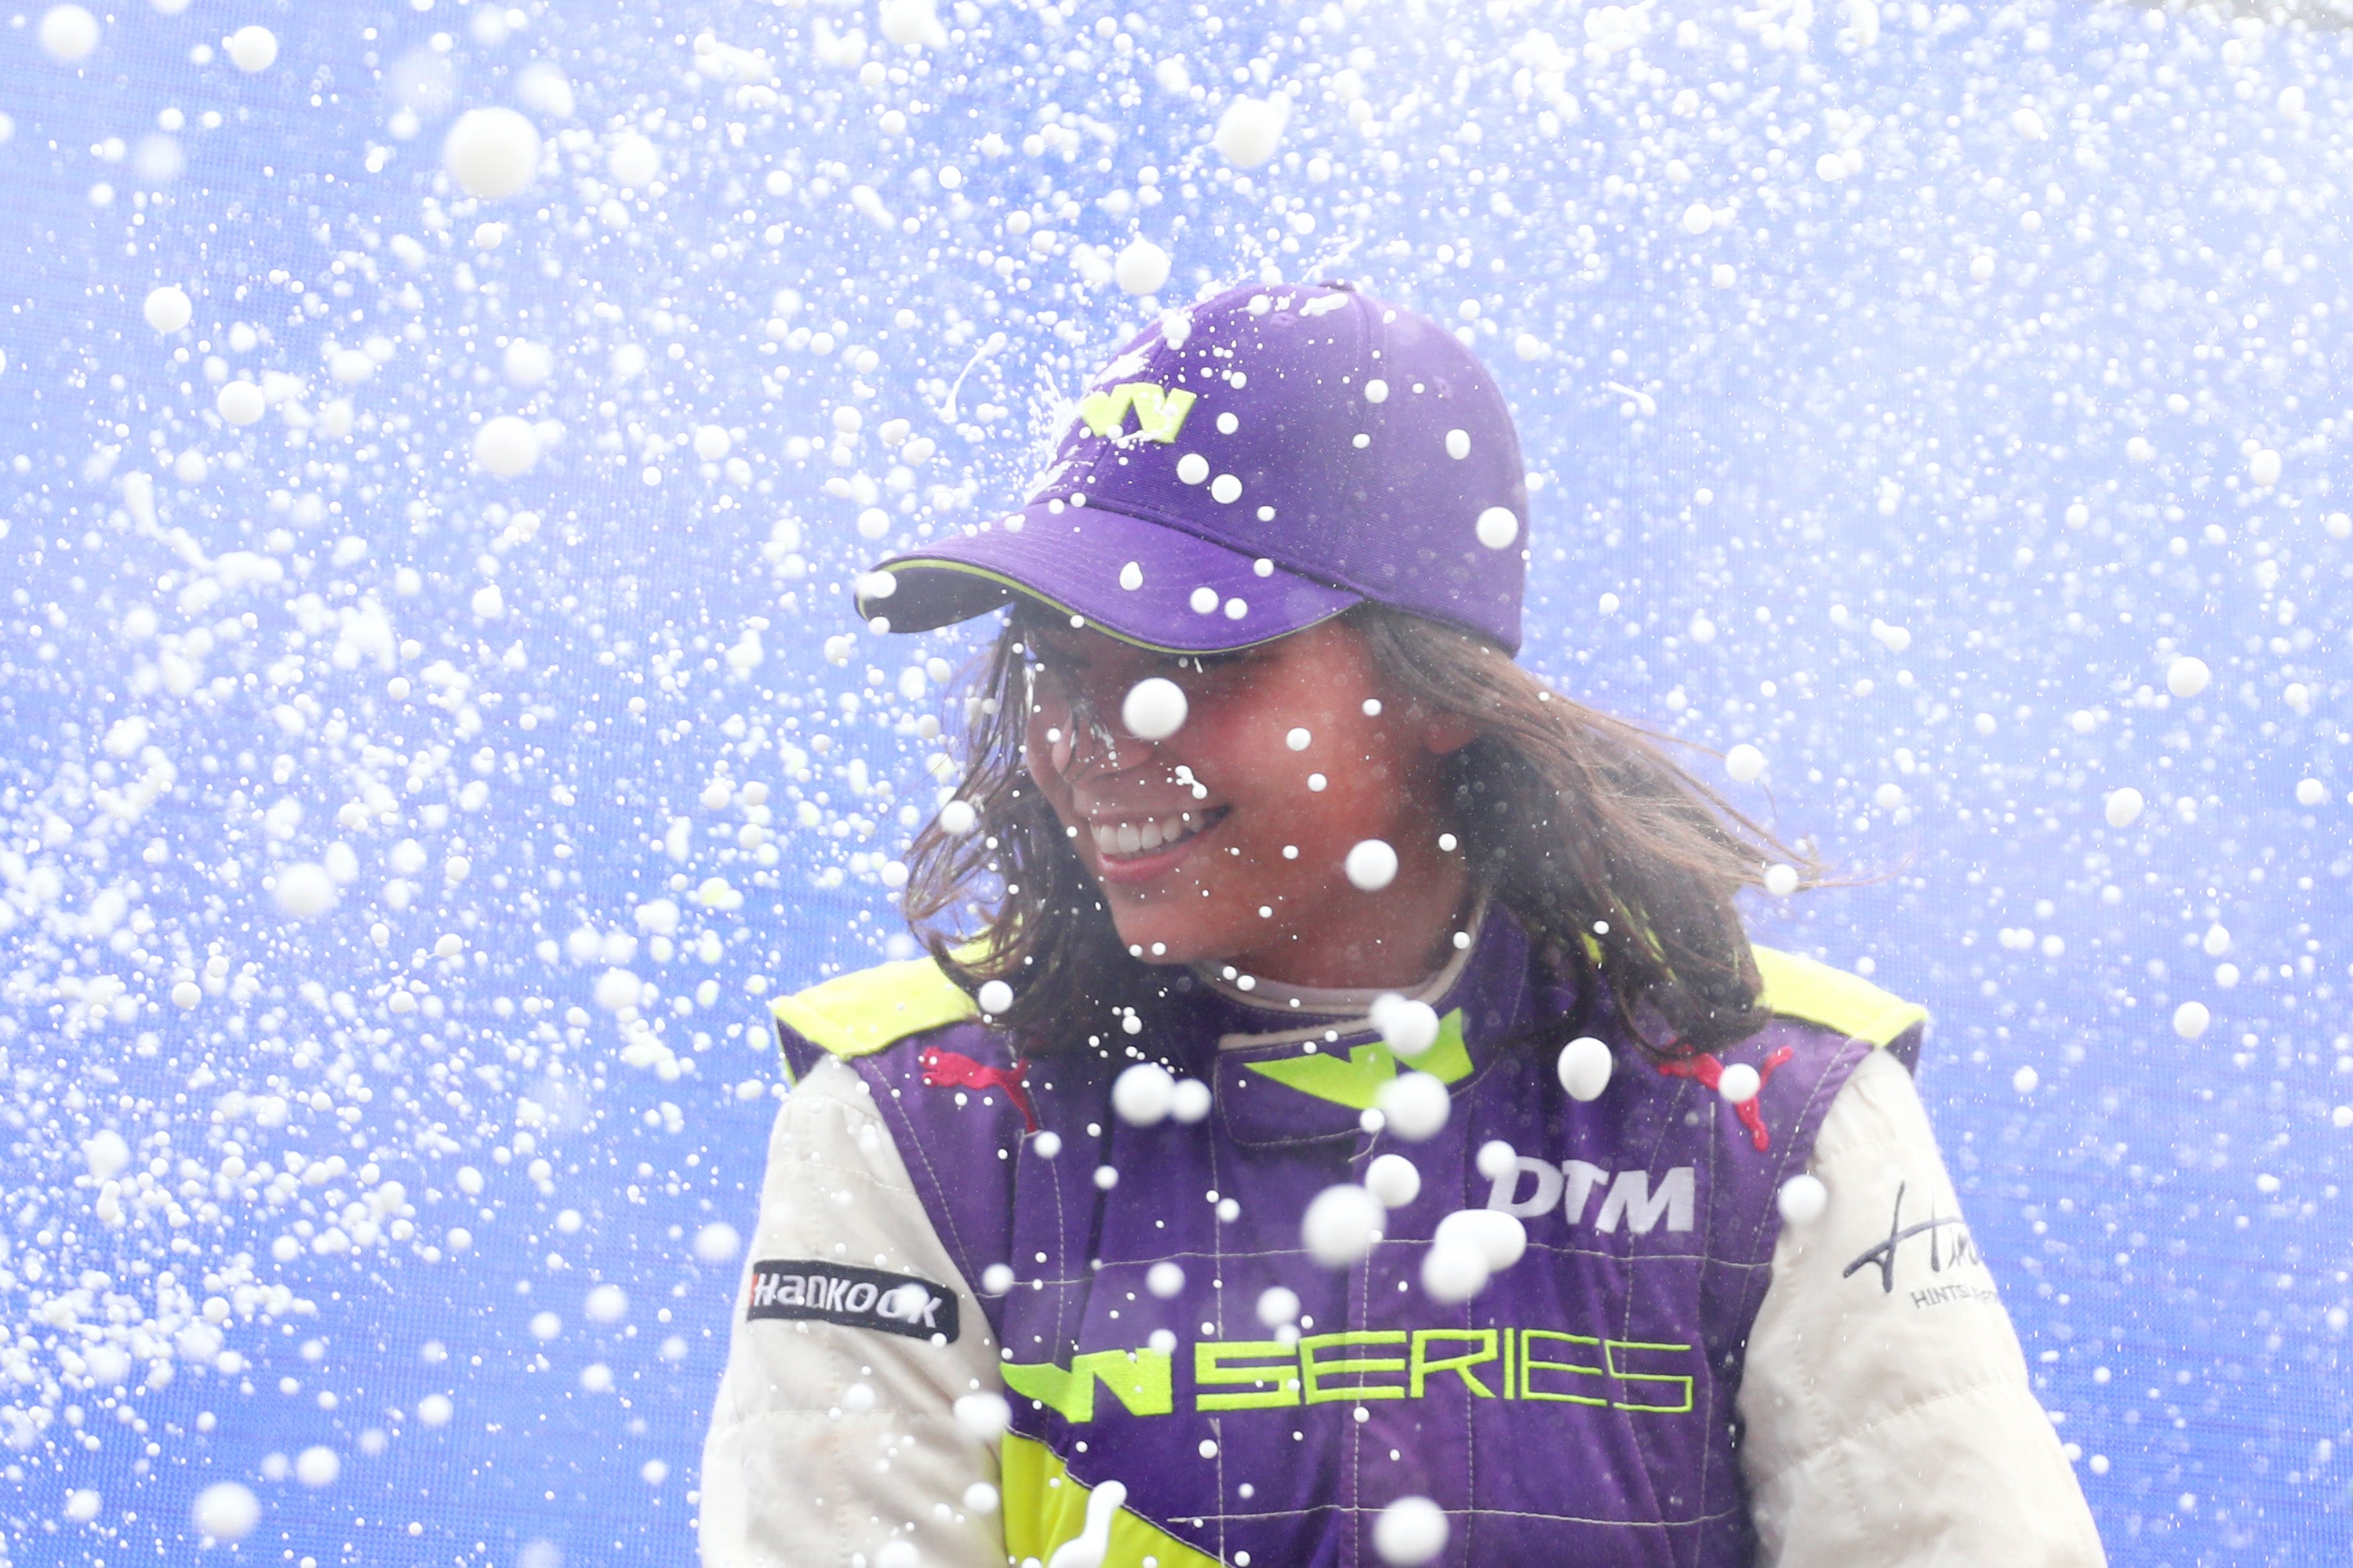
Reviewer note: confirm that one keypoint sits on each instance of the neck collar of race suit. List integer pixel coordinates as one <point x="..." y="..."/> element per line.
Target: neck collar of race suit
<point x="1300" y="1002"/>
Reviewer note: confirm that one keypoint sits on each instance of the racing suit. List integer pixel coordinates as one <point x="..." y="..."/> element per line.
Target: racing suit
<point x="1671" y="1373"/>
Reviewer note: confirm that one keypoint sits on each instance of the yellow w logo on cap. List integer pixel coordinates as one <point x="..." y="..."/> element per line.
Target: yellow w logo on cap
<point x="1159" y="413"/>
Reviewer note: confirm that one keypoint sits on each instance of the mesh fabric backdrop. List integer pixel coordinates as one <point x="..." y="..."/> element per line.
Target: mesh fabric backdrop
<point x="402" y="816"/>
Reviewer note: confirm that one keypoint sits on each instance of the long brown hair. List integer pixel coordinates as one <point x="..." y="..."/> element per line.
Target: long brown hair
<point x="1620" y="863"/>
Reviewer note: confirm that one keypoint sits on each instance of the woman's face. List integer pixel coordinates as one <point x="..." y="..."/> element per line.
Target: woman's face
<point x="1227" y="840"/>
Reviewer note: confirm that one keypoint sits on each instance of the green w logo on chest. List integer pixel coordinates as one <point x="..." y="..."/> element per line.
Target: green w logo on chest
<point x="1159" y="411"/>
<point x="1355" y="1079"/>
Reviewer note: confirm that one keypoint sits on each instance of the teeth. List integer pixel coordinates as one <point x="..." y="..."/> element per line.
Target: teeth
<point x="1129" y="839"/>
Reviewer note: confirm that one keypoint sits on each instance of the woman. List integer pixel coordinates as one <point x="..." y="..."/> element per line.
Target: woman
<point x="1343" y="1118"/>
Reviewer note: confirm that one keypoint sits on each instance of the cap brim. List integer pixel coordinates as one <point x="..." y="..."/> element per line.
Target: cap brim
<point x="1188" y="596"/>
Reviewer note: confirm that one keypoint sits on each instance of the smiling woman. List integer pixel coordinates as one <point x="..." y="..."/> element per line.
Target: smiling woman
<point x="1099" y="857"/>
<point x="1240" y="859"/>
<point x="1291" y="947"/>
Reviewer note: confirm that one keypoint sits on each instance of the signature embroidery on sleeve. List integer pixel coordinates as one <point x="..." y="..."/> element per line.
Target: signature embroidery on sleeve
<point x="1954" y="1252"/>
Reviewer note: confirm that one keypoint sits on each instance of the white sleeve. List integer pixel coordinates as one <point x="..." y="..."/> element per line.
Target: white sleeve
<point x="1890" y="1421"/>
<point x="827" y="1441"/>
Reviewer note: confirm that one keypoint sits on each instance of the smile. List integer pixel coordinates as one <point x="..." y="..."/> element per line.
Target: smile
<point x="1146" y="847"/>
<point x="1130" y="839"/>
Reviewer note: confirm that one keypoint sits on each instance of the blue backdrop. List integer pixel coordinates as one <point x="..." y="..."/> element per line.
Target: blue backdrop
<point x="397" y="842"/>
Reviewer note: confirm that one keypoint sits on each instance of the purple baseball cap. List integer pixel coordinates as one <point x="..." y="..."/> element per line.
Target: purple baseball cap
<point x="1247" y="468"/>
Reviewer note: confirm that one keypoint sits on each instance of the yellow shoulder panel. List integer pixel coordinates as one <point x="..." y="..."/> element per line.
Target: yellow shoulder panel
<point x="1798" y="987"/>
<point x="859" y="1013"/>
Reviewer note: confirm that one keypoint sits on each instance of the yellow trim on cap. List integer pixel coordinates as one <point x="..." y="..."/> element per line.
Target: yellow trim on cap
<point x="1803" y="988"/>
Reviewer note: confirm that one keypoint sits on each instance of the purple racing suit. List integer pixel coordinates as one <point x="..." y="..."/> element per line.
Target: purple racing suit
<point x="1578" y="1409"/>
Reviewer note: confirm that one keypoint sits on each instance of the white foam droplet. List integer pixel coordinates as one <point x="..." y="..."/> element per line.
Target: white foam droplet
<point x="2191" y="1018"/>
<point x="1249" y="129"/>
<point x="1453" y="1270"/>
<point x="984" y="1416"/>
<point x="527" y="363"/>
<point x="995" y="997"/>
<point x="1499" y="1238"/>
<point x="1498" y="526"/>
<point x="717" y="1242"/>
<point x="491" y="152"/>
<point x="2124" y="807"/>
<point x="1192" y="1101"/>
<point x="1781" y="881"/>
<point x="1415" y="1105"/>
<point x="541" y="86"/>
<point x="168" y="308"/>
<point x="1394" y="1179"/>
<point x="253" y="49"/>
<point x="1802" y="1199"/>
<point x="1142" y="266"/>
<point x="910" y="22"/>
<point x="226" y="1511"/>
<point x="1744" y="763"/>
<point x="1340" y="1224"/>
<point x="506" y="446"/>
<point x="304" y="890"/>
<point x="633" y="161"/>
<point x="106" y="1154"/>
<point x="1154" y="708"/>
<point x="1409" y="1532"/>
<point x="2188" y="676"/>
<point x="318" y="1467"/>
<point x="240" y="402"/>
<point x="1165" y="1278"/>
<point x="606" y="1304"/>
<point x="1739" y="1083"/>
<point x="958" y="817"/>
<point x="1410" y="1028"/>
<point x="2026" y="1080"/>
<point x="1143" y="1095"/>
<point x="68" y="33"/>
<point x="1371" y="866"/>
<point x="1584" y="1068"/>
<point x="1278" y="1305"/>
